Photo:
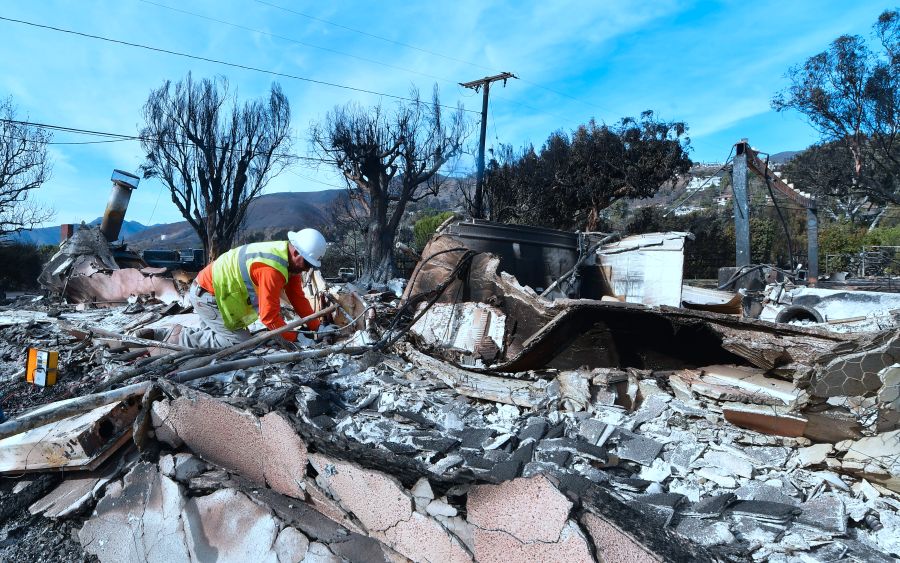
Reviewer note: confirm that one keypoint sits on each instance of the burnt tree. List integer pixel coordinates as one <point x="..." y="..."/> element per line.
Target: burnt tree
<point x="24" y="167"/>
<point x="214" y="154"/>
<point x="572" y="178"/>
<point x="850" y="93"/>
<point x="389" y="159"/>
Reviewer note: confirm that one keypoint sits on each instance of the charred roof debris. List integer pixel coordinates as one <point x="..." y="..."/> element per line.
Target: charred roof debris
<point x="526" y="395"/>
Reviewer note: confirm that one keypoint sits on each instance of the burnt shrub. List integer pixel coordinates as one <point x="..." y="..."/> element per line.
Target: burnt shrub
<point x="20" y="265"/>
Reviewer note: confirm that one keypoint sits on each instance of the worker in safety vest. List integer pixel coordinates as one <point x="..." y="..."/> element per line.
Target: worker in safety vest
<point x="245" y="284"/>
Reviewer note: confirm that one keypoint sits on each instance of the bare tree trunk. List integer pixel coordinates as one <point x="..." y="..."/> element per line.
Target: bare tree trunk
<point x="379" y="263"/>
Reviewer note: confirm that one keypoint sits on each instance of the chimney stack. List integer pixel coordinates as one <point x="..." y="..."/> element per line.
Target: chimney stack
<point x="66" y="231"/>
<point x="123" y="184"/>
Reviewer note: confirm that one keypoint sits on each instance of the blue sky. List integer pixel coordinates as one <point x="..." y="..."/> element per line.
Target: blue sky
<point x="714" y="65"/>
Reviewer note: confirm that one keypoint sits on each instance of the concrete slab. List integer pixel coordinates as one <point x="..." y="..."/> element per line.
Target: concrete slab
<point x="215" y="431"/>
<point x="614" y="544"/>
<point x="495" y="546"/>
<point x="330" y="508"/>
<point x="529" y="509"/>
<point x="423" y="539"/>
<point x="377" y="500"/>
<point x="285" y="456"/>
<point x="138" y="520"/>
<point x="267" y="450"/>
<point x="228" y="527"/>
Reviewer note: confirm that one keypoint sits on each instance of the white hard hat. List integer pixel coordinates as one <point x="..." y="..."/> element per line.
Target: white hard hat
<point x="310" y="244"/>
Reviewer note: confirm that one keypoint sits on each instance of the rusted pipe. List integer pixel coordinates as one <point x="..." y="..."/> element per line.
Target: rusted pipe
<point x="114" y="216"/>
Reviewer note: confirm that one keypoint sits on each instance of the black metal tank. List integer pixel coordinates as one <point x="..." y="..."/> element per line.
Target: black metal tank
<point x="535" y="255"/>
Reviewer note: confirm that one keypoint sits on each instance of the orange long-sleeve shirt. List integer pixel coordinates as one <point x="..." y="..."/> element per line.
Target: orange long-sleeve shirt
<point x="269" y="285"/>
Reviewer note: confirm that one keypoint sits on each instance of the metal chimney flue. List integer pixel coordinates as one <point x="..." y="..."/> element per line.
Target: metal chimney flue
<point x="114" y="216"/>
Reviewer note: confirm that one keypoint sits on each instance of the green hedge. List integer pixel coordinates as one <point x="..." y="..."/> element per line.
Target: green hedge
<point x="424" y="228"/>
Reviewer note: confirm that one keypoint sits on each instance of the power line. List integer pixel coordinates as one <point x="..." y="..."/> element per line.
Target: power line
<point x="387" y="65"/>
<point x="118" y="137"/>
<point x="27" y="140"/>
<point x="372" y="35"/>
<point x="534" y="109"/>
<point x="87" y="142"/>
<point x="696" y="191"/>
<point x="420" y="49"/>
<point x="314" y="180"/>
<point x="219" y="62"/>
<point x="122" y="137"/>
<point x="297" y="41"/>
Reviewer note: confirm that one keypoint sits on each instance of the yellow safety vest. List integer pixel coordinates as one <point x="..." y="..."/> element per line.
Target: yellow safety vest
<point x="235" y="292"/>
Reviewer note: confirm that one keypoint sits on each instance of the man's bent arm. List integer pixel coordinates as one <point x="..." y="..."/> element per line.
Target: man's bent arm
<point x="295" y="295"/>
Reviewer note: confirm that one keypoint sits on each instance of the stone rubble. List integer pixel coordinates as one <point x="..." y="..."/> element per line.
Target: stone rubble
<point x="771" y="451"/>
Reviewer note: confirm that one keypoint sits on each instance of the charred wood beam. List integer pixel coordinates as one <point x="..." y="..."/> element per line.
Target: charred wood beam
<point x="520" y="393"/>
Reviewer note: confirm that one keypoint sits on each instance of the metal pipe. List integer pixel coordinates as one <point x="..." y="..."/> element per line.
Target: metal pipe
<point x="114" y="216"/>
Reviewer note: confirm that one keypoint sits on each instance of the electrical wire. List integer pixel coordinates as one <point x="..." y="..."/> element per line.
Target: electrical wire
<point x="420" y="49"/>
<point x="307" y="178"/>
<point x="297" y="41"/>
<point x="152" y="213"/>
<point x="265" y="71"/>
<point x="351" y="323"/>
<point x="219" y="62"/>
<point x="696" y="191"/>
<point x="464" y="263"/>
<point x="787" y="232"/>
<point x="124" y="137"/>
<point x="372" y="35"/>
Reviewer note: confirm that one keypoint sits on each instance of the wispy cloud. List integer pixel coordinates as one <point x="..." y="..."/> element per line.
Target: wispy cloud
<point x="712" y="64"/>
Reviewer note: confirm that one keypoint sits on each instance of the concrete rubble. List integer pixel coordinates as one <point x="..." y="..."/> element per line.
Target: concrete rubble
<point x="502" y="426"/>
<point x="85" y="271"/>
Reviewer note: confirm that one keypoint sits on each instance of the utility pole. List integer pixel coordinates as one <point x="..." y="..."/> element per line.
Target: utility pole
<point x="740" y="187"/>
<point x="478" y="210"/>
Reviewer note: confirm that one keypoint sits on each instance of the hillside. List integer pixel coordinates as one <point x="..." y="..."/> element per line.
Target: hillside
<point x="783" y="157"/>
<point x="267" y="214"/>
<point x="50" y="235"/>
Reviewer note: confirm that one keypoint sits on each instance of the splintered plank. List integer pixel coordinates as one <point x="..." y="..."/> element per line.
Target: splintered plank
<point x="479" y="386"/>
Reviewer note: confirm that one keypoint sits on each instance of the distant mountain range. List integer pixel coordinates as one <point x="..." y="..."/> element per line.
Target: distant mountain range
<point x="783" y="157"/>
<point x="267" y="214"/>
<point x="51" y="235"/>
